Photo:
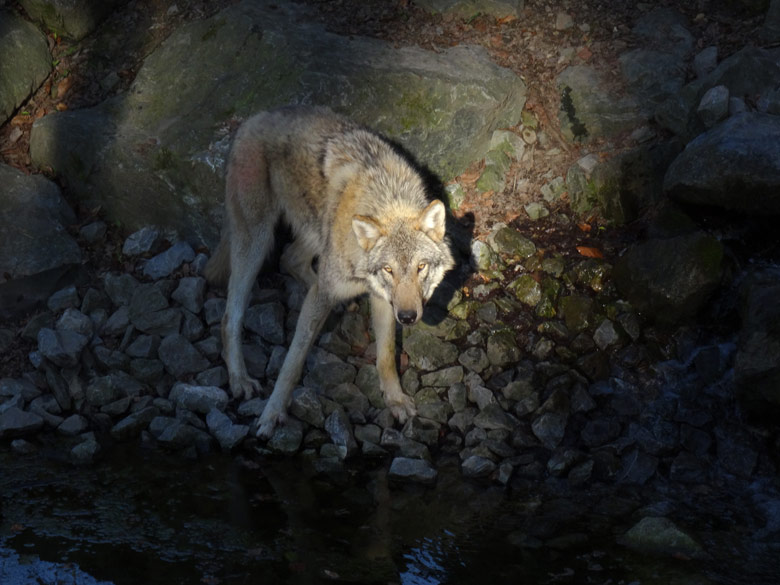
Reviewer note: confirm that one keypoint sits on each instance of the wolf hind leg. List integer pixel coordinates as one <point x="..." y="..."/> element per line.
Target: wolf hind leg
<point x="314" y="311"/>
<point x="248" y="250"/>
<point x="401" y="405"/>
<point x="297" y="261"/>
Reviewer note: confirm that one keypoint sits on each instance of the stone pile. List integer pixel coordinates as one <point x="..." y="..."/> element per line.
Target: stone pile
<point x="546" y="373"/>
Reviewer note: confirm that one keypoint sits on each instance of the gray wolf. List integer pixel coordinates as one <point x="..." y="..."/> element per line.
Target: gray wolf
<point x="353" y="203"/>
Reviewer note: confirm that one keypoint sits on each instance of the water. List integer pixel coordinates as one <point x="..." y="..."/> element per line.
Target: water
<point x="147" y="518"/>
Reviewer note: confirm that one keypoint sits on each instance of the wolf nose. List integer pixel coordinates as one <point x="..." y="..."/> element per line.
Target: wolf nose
<point x="407" y="317"/>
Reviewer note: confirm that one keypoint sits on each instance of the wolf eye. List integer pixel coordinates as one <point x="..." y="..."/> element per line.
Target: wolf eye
<point x="422" y="266"/>
<point x="388" y="269"/>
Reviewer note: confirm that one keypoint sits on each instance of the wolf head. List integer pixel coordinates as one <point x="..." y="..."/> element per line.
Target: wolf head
<point x="406" y="257"/>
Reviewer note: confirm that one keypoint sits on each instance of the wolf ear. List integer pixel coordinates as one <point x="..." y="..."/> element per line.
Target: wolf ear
<point x="367" y="230"/>
<point x="432" y="221"/>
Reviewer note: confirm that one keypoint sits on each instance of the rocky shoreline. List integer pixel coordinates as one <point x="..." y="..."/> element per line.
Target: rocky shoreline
<point x="549" y="375"/>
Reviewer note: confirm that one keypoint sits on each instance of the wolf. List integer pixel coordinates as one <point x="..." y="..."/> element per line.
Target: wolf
<point x="357" y="207"/>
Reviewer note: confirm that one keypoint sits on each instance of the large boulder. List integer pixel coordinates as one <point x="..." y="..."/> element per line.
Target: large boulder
<point x="37" y="255"/>
<point x="757" y="361"/>
<point x="736" y="165"/>
<point x="670" y="279"/>
<point x="156" y="154"/>
<point x="25" y="62"/>
<point x="751" y="73"/>
<point x="67" y="18"/>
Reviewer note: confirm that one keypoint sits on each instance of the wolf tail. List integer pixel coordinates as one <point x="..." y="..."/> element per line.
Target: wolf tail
<point x="217" y="269"/>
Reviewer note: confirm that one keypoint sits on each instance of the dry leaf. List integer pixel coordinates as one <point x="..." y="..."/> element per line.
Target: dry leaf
<point x="589" y="252"/>
<point x="585" y="227"/>
<point x="506" y="19"/>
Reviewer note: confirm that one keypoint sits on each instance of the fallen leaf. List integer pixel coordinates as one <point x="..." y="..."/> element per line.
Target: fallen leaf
<point x="584" y="53"/>
<point x="589" y="252"/>
<point x="585" y="227"/>
<point x="506" y="19"/>
<point x="61" y="107"/>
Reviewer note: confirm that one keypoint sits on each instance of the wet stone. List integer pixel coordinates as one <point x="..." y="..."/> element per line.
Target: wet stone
<point x="688" y="468"/>
<point x="392" y="438"/>
<point x="132" y="425"/>
<point x="422" y="431"/>
<point x="477" y="467"/>
<point x="227" y="434"/>
<point x="172" y="433"/>
<point x="287" y="438"/>
<point x="340" y="430"/>
<point x="412" y="470"/>
<point x="15" y="422"/>
<point x="549" y="428"/>
<point x="660" y="536"/>
<point x="200" y="399"/>
<point x="87" y="451"/>
<point x="62" y="348"/>
<point x="350" y="397"/>
<point x="502" y="349"/>
<point x="306" y="406"/>
<point x="606" y="335"/>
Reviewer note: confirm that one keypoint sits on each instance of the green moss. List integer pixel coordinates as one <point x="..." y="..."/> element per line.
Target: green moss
<point x="164" y="159"/>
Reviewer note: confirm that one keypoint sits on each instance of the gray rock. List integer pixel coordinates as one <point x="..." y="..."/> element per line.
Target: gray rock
<point x="306" y="406"/>
<point x="62" y="348"/>
<point x="340" y="430"/>
<point x="165" y="263"/>
<point x="36" y="251"/>
<point x="227" y="434"/>
<point x="142" y="241"/>
<point x="474" y="359"/>
<point x="606" y="335"/>
<point x="73" y="20"/>
<point x="660" y="536"/>
<point x="180" y="357"/>
<point x="549" y="428"/>
<point x="143" y="346"/>
<point x="425" y="100"/>
<point x="189" y="293"/>
<point x="86" y="451"/>
<point x="26" y="62"/>
<point x="132" y="425"/>
<point x="669" y="292"/>
<point x="477" y="467"/>
<point x="637" y="467"/>
<point x="74" y="425"/>
<point x="330" y="374"/>
<point x="457" y="395"/>
<point x="502" y="349"/>
<point x="705" y="61"/>
<point x="462" y="420"/>
<point x="120" y="288"/>
<point x="15" y="422"/>
<point x="427" y="352"/>
<point x="287" y="438"/>
<point x="213" y="309"/>
<point x="103" y="390"/>
<point x="413" y="470"/>
<point x="735" y="166"/>
<point x="445" y="377"/>
<point x="770" y="32"/>
<point x="652" y="76"/>
<point x="267" y="320"/>
<point x="63" y="299"/>
<point x="392" y="438"/>
<point x="492" y="416"/>
<point x="714" y="105"/>
<point x="172" y="433"/>
<point x="202" y="399"/>
<point x="468" y="8"/>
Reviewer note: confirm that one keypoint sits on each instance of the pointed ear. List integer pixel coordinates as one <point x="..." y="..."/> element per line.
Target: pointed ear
<point x="432" y="220"/>
<point x="367" y="230"/>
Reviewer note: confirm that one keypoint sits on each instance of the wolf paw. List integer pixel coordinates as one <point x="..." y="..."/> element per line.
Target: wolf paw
<point x="243" y="387"/>
<point x="403" y="408"/>
<point x="270" y="418"/>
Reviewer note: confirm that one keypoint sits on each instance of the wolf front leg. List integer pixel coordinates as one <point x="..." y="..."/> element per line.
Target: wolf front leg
<point x="314" y="311"/>
<point x="401" y="405"/>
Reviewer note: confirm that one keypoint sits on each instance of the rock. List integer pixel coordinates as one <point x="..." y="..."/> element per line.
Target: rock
<point x="287" y="438"/>
<point x="73" y="20"/>
<point x="340" y="430"/>
<point x="62" y="348"/>
<point x="132" y="425"/>
<point x="502" y="349"/>
<point x="425" y="100"/>
<point x="166" y="262"/>
<point x="85" y="452"/>
<point x="511" y="243"/>
<point x="306" y="406"/>
<point x="714" y="106"/>
<point x="669" y="292"/>
<point x="445" y="377"/>
<point x="427" y="352"/>
<point x="637" y="467"/>
<point x="172" y="433"/>
<point x="74" y="425"/>
<point x="665" y="29"/>
<point x="392" y="438"/>
<point x="770" y="32"/>
<point x="120" y="288"/>
<point x="492" y="416"/>
<point x="705" y="61"/>
<point x="735" y="166"/>
<point x="660" y="536"/>
<point x="468" y="8"/>
<point x="37" y="256"/>
<point x="180" y="357"/>
<point x="189" y="293"/>
<point x="143" y="241"/>
<point x="15" y="422"/>
<point x="757" y="360"/>
<point x="103" y="390"/>
<point x="589" y="109"/>
<point x="26" y="62"/>
<point x="267" y="320"/>
<point x="202" y="399"/>
<point x="474" y="359"/>
<point x="549" y="428"/>
<point x="475" y="466"/>
<point x="227" y="434"/>
<point x="413" y="470"/>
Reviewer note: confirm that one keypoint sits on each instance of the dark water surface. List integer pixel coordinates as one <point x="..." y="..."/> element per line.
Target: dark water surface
<point x="145" y="518"/>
